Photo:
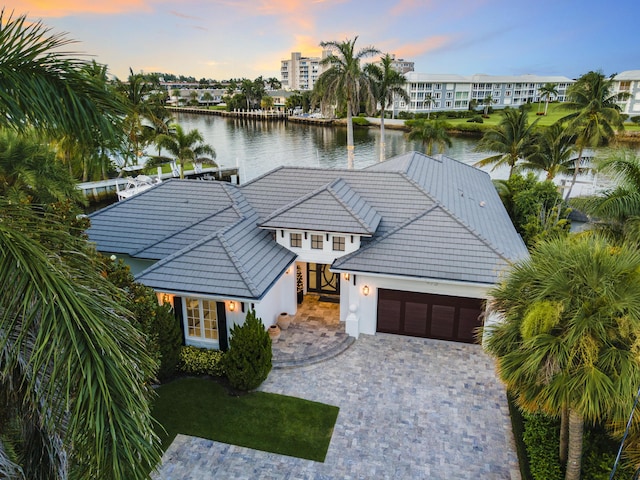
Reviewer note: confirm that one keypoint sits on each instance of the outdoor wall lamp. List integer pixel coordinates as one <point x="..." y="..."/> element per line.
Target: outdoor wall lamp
<point x="232" y="306"/>
<point x="346" y="277"/>
<point x="365" y="290"/>
<point x="288" y="271"/>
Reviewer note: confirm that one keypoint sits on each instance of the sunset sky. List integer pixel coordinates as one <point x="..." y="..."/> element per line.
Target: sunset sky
<point x="221" y="39"/>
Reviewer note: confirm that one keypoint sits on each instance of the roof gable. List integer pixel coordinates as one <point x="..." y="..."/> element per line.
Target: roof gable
<point x="334" y="207"/>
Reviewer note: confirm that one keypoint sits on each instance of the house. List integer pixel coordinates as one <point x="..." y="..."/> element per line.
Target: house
<point x="409" y="246"/>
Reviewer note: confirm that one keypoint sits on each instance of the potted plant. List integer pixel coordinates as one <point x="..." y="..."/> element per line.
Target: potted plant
<point x="299" y="284"/>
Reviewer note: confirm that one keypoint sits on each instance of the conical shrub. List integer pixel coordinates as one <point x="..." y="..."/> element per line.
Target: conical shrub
<point x="248" y="361"/>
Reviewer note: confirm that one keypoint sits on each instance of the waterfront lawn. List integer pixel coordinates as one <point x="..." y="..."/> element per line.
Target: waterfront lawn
<point x="259" y="420"/>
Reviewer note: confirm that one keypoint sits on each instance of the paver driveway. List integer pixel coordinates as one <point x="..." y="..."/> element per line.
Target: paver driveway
<point x="410" y="408"/>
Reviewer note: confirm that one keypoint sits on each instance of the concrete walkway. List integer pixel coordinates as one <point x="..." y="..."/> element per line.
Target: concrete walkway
<point x="410" y="408"/>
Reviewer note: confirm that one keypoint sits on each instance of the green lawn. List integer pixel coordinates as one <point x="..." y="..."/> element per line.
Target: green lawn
<point x="263" y="421"/>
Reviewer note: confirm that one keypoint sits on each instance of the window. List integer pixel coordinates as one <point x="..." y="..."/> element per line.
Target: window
<point x="316" y="242"/>
<point x="201" y="319"/>
<point x="295" y="239"/>
<point x="338" y="244"/>
<point x="625" y="86"/>
<point x="449" y="95"/>
<point x="447" y="104"/>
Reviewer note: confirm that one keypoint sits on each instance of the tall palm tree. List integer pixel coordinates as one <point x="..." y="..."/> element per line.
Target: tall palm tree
<point x="555" y="153"/>
<point x="547" y="91"/>
<point x="345" y="83"/>
<point x="184" y="147"/>
<point x="72" y="396"/>
<point x="596" y="115"/>
<point x="566" y="342"/>
<point x="512" y="140"/>
<point x="387" y="84"/>
<point x="430" y="133"/>
<point x="617" y="209"/>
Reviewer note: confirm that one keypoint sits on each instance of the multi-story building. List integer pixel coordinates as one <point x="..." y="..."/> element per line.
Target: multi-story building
<point x="629" y="82"/>
<point x="301" y="73"/>
<point x="455" y="92"/>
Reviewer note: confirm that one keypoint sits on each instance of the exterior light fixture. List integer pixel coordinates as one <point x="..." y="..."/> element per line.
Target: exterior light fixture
<point x="232" y="306"/>
<point x="113" y="258"/>
<point x="288" y="271"/>
<point x="365" y="290"/>
<point x="346" y="276"/>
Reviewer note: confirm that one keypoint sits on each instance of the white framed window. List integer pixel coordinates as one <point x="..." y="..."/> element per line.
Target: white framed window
<point x="316" y="242"/>
<point x="201" y="319"/>
<point x="338" y="244"/>
<point x="449" y="94"/>
<point x="447" y="104"/>
<point x="295" y="239"/>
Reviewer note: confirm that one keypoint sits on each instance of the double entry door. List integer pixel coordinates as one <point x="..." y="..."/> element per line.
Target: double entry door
<point x="321" y="280"/>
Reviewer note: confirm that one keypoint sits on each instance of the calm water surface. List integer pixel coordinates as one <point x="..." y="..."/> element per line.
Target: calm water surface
<point x="257" y="147"/>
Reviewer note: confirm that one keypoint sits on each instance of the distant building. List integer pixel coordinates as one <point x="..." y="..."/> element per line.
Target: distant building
<point x="629" y="82"/>
<point x="401" y="65"/>
<point x="433" y="92"/>
<point x="301" y="73"/>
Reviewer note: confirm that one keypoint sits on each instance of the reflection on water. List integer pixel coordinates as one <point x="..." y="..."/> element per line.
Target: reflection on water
<point x="257" y="147"/>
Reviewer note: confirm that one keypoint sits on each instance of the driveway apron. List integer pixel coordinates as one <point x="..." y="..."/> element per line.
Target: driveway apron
<point x="410" y="408"/>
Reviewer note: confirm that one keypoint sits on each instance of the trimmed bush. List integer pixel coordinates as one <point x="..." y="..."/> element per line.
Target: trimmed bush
<point x="360" y="121"/>
<point x="201" y="361"/>
<point x="542" y="440"/>
<point x="248" y="361"/>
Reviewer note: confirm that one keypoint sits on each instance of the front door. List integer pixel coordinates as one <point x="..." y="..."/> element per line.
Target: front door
<point x="321" y="280"/>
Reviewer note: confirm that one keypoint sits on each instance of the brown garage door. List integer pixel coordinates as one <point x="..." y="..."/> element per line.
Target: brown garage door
<point x="431" y="316"/>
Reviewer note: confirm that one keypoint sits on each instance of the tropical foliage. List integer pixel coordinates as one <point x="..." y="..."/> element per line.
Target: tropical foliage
<point x="344" y="83"/>
<point x="596" y="114"/>
<point x="431" y="133"/>
<point x="387" y="85"/>
<point x="567" y="343"/>
<point x="555" y="152"/>
<point x="184" y="148"/>
<point x="511" y="140"/>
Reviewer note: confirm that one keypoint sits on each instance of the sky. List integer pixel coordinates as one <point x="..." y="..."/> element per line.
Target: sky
<point x="222" y="39"/>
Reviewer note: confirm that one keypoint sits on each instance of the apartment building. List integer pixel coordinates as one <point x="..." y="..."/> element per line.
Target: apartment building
<point x="435" y="92"/>
<point x="301" y="73"/>
<point x="629" y="82"/>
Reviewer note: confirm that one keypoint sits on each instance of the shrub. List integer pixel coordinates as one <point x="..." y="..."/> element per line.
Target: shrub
<point x="201" y="361"/>
<point x="360" y="121"/>
<point x="248" y="361"/>
<point x="476" y="119"/>
<point x="169" y="339"/>
<point x="542" y="440"/>
<point x="635" y="120"/>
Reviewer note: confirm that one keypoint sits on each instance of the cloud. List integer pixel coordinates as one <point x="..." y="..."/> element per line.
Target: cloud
<point x="63" y="8"/>
<point x="429" y="44"/>
<point x="183" y="15"/>
<point x="406" y="6"/>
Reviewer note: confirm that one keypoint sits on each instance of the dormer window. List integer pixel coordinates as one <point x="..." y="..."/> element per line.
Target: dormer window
<point x="295" y="239"/>
<point x="316" y="242"/>
<point x="338" y="244"/>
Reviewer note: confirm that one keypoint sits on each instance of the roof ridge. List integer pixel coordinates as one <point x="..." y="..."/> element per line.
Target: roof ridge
<point x="335" y="195"/>
<point x="297" y="201"/>
<point x="238" y="265"/>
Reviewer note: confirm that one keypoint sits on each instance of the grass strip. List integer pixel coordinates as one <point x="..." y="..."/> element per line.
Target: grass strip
<point x="263" y="421"/>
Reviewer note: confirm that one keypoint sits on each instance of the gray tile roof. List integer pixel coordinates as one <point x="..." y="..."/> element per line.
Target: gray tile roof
<point x="427" y="217"/>
<point x="433" y="245"/>
<point x="334" y="207"/>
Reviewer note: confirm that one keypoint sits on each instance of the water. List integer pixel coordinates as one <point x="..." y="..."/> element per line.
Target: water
<point x="257" y="147"/>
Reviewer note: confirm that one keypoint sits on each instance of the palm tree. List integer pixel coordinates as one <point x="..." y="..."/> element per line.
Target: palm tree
<point x="555" y="153"/>
<point x="387" y="84"/>
<point x="617" y="209"/>
<point x="430" y="133"/>
<point x="185" y="147"/>
<point x="566" y="342"/>
<point x="73" y="398"/>
<point x="32" y="64"/>
<point x="487" y="102"/>
<point x="596" y="114"/>
<point x="345" y="83"/>
<point x="512" y="139"/>
<point x="429" y="101"/>
<point x="546" y="92"/>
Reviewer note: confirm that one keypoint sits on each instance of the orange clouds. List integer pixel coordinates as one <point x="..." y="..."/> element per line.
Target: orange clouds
<point x="62" y="8"/>
<point x="429" y="44"/>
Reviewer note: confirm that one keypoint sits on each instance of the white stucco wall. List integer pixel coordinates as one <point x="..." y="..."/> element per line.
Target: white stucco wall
<point x="312" y="255"/>
<point x="367" y="306"/>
